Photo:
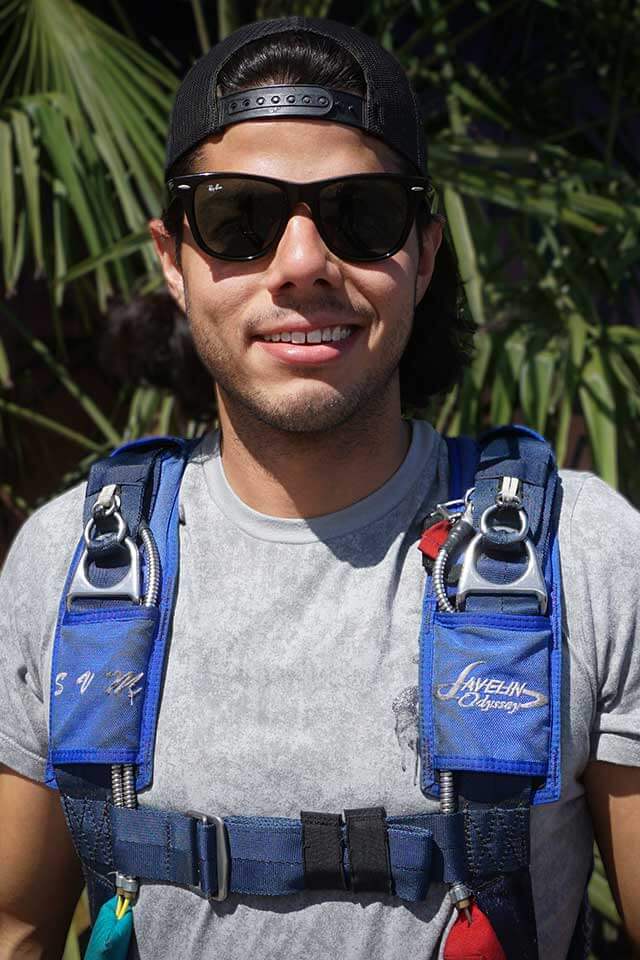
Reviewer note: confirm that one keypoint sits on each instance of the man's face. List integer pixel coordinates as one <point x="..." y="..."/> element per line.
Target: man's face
<point x="300" y="287"/>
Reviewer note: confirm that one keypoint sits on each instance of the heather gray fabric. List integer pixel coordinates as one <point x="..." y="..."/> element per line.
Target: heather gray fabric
<point x="291" y="685"/>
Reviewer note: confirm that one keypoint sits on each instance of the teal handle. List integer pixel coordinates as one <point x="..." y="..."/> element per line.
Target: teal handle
<point x="110" y="937"/>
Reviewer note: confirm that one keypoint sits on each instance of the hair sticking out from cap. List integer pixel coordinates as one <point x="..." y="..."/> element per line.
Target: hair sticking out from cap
<point x="290" y="58"/>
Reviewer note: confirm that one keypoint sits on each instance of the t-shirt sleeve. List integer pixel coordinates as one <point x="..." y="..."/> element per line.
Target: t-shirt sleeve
<point x="23" y="723"/>
<point x="31" y="584"/>
<point x="604" y="558"/>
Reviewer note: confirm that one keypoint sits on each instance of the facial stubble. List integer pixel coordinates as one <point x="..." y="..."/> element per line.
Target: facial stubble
<point x="306" y="412"/>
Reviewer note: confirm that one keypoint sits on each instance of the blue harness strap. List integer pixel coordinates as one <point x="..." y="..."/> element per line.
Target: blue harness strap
<point x="489" y="711"/>
<point x="109" y="653"/>
<point x="264" y="855"/>
<point x="490" y="675"/>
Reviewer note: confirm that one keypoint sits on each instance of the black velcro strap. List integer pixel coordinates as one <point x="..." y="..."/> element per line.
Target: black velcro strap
<point x="322" y="851"/>
<point x="368" y="845"/>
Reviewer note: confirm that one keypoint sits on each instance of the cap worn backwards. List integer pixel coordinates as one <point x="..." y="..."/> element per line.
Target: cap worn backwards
<point x="389" y="109"/>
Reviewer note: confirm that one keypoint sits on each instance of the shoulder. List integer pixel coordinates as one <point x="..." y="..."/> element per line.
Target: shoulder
<point x="595" y="519"/>
<point x="587" y="487"/>
<point x="600" y="561"/>
<point x="57" y="520"/>
<point x="43" y="547"/>
<point x="31" y="585"/>
<point x="599" y="534"/>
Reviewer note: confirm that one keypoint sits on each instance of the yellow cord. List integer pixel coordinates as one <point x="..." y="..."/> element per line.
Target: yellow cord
<point x="122" y="905"/>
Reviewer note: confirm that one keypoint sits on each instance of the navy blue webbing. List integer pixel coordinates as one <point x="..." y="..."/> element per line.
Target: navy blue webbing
<point x="521" y="453"/>
<point x="266" y="853"/>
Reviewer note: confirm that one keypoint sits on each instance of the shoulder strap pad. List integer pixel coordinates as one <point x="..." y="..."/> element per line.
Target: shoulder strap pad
<point x="490" y="676"/>
<point x="109" y="650"/>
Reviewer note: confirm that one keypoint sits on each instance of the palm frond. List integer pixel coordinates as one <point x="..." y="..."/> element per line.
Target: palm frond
<point x="84" y="112"/>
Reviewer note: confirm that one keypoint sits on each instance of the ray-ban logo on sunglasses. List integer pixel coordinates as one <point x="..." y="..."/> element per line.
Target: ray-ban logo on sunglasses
<point x="214" y="189"/>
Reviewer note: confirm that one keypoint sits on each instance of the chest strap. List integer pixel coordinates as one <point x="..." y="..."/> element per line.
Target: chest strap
<point x="265" y="855"/>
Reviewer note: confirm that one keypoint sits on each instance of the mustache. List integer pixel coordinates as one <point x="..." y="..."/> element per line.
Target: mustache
<point x="309" y="309"/>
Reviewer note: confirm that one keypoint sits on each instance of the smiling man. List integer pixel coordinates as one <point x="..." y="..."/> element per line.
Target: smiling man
<point x="471" y="747"/>
<point x="303" y="344"/>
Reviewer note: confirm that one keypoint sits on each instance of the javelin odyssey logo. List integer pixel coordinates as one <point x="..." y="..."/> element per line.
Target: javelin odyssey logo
<point x="488" y="693"/>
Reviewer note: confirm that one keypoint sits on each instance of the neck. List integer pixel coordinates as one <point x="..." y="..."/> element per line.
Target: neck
<point x="287" y="474"/>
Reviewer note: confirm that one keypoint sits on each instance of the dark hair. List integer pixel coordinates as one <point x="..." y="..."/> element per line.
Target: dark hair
<point x="147" y="340"/>
<point x="440" y="345"/>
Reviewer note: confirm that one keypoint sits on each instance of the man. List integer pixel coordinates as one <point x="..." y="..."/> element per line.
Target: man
<point x="291" y="680"/>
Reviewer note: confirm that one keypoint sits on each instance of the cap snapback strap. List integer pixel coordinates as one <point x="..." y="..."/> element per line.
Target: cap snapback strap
<point x="294" y="100"/>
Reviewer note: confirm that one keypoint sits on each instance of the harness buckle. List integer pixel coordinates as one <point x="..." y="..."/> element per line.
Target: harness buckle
<point x="472" y="582"/>
<point x="126" y="588"/>
<point x="107" y="507"/>
<point x="223" y="858"/>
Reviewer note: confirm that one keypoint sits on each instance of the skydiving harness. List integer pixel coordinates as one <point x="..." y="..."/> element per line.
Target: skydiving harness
<point x="489" y="692"/>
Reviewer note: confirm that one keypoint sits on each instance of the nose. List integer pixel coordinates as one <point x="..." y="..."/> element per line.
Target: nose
<point x="301" y="259"/>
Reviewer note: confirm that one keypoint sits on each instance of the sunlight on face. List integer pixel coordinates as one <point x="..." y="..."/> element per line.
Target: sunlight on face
<point x="300" y="288"/>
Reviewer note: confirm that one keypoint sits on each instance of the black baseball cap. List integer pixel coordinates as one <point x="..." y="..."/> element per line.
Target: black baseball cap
<point x="389" y="110"/>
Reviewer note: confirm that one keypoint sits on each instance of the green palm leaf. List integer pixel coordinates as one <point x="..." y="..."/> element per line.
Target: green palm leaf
<point x="571" y="371"/>
<point x="598" y="404"/>
<point x="465" y="252"/>
<point x="510" y="357"/>
<point x="536" y="383"/>
<point x="84" y="114"/>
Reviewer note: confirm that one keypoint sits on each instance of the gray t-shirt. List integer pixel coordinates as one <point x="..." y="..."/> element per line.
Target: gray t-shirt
<point x="291" y="685"/>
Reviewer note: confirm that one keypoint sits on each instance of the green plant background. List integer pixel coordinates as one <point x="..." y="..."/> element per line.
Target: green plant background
<point x="538" y="179"/>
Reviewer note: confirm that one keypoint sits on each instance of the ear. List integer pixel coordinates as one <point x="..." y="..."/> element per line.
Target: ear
<point x="431" y="240"/>
<point x="165" y="246"/>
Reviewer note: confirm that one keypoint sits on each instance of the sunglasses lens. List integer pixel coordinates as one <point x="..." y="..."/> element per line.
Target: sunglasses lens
<point x="237" y="217"/>
<point x="364" y="219"/>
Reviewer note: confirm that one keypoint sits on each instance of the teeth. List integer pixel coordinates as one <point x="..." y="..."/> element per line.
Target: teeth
<point x="327" y="335"/>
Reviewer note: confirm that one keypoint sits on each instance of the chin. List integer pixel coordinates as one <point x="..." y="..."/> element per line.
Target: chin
<point x="311" y="414"/>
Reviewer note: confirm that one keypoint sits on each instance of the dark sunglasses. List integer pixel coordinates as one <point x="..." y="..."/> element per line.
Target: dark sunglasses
<point x="363" y="218"/>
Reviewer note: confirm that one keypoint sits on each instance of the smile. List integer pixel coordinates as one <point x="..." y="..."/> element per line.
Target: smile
<point x="325" y="335"/>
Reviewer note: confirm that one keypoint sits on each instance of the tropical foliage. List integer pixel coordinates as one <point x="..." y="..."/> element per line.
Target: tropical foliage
<point x="532" y="114"/>
<point x="533" y="153"/>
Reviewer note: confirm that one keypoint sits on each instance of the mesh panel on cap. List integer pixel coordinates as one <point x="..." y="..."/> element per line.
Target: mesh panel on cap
<point x="391" y="109"/>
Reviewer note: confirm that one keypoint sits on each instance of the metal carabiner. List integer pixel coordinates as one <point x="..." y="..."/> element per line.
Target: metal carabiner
<point x="442" y="509"/>
<point x="515" y="536"/>
<point x="107" y="504"/>
<point x="472" y="582"/>
<point x="128" y="588"/>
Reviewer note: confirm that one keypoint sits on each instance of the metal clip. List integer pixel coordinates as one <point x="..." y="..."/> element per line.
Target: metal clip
<point x="472" y="582"/>
<point x="223" y="859"/>
<point x="121" y="527"/>
<point x="516" y="536"/>
<point x="107" y="501"/>
<point x="127" y="589"/>
<point x="127" y="887"/>
<point x="509" y="494"/>
<point x="107" y="504"/>
<point x="443" y="509"/>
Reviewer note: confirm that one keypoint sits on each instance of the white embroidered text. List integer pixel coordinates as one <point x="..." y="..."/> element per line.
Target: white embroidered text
<point x="489" y="693"/>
